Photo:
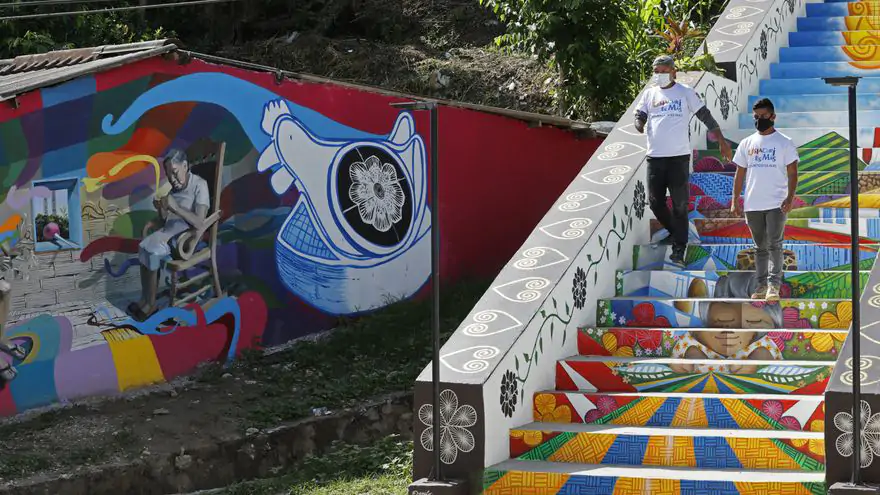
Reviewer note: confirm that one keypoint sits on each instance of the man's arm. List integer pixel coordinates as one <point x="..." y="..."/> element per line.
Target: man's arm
<point x="641" y="114"/>
<point x="738" y="181"/>
<point x="195" y="218"/>
<point x="705" y="116"/>
<point x="792" y="169"/>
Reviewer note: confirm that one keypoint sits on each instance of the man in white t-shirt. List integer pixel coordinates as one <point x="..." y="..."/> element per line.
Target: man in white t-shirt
<point x="667" y="109"/>
<point x="767" y="165"/>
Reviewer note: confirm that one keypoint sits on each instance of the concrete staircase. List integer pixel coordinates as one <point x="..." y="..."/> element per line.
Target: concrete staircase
<point x="684" y="385"/>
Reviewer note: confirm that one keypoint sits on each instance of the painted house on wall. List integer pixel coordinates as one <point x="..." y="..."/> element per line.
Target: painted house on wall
<point x="323" y="201"/>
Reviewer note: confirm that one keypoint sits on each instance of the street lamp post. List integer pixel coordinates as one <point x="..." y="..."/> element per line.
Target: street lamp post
<point x="851" y="82"/>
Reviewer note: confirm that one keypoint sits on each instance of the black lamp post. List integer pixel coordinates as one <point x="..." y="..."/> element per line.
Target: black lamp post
<point x="436" y="474"/>
<point x="855" y="333"/>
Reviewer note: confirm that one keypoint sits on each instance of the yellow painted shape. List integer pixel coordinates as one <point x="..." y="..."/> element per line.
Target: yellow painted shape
<point x="670" y="451"/>
<point x="864" y="8"/>
<point x="862" y="23"/>
<point x="760" y="453"/>
<point x="639" y="414"/>
<point x="765" y="488"/>
<point x="525" y="482"/>
<point x="641" y="486"/>
<point x="585" y="448"/>
<point x="711" y="386"/>
<point x="94" y="183"/>
<point x="732" y="386"/>
<point x="865" y="201"/>
<point x="691" y="413"/>
<point x="853" y="38"/>
<point x="745" y="416"/>
<point x="136" y="362"/>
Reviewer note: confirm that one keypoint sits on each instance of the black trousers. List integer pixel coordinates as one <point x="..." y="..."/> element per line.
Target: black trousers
<point x="670" y="173"/>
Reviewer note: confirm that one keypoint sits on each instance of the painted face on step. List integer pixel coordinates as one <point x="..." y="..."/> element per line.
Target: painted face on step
<point x="725" y="343"/>
<point x="724" y="315"/>
<point x="755" y="317"/>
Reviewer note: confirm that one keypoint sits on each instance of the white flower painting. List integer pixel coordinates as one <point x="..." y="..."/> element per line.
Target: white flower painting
<point x="454" y="423"/>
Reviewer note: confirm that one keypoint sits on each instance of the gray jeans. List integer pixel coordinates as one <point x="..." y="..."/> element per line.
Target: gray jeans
<point x="768" y="228"/>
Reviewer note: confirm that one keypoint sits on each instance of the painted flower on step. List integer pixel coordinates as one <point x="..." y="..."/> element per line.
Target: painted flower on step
<point x="639" y="200"/>
<point x="644" y="315"/>
<point x="579" y="288"/>
<point x="532" y="438"/>
<point x="780" y="338"/>
<point x="644" y="338"/>
<point x="547" y="411"/>
<point x="508" y="393"/>
<point x="825" y="342"/>
<point x="454" y="423"/>
<point x="870" y="434"/>
<point x="791" y="318"/>
<point x="773" y="409"/>
<point x="816" y="446"/>
<point x="376" y="191"/>
<point x="841" y="318"/>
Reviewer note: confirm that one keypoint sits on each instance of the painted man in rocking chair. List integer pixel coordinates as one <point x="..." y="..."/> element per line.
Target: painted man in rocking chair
<point x="184" y="208"/>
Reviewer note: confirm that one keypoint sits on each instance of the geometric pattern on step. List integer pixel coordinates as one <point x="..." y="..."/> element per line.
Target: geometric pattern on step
<point x="806" y="413"/>
<point x="614" y="374"/>
<point x="693" y="283"/>
<point x="819" y="230"/>
<point x="724" y="313"/>
<point x="791" y="344"/>
<point x="703" y="451"/>
<point x="740" y="256"/>
<point x="520" y="482"/>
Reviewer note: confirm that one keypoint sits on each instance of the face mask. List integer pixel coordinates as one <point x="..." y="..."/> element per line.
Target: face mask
<point x="763" y="124"/>
<point x="662" y="79"/>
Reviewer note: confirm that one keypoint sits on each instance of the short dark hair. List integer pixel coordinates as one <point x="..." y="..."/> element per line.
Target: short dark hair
<point x="764" y="103"/>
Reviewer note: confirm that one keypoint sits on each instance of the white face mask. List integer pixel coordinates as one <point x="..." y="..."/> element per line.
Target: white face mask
<point x="663" y="79"/>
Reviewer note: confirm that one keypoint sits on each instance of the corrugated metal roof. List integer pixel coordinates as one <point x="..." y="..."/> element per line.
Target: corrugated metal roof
<point x="29" y="72"/>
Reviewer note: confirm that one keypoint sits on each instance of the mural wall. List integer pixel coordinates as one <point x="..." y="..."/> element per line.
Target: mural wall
<point x="324" y="212"/>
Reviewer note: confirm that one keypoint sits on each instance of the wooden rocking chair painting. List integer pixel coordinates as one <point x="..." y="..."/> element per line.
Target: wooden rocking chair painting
<point x="197" y="247"/>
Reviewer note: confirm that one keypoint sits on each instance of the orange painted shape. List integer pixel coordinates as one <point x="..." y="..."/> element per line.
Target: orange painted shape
<point x="11" y="223"/>
<point x="640" y="413"/>
<point x="526" y="482"/>
<point x="776" y="488"/>
<point x="691" y="413"/>
<point x="670" y="451"/>
<point x="761" y="453"/>
<point x="641" y="486"/>
<point x="584" y="448"/>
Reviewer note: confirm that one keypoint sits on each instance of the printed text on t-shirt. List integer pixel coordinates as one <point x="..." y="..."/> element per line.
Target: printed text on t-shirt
<point x="762" y="157"/>
<point x="669" y="107"/>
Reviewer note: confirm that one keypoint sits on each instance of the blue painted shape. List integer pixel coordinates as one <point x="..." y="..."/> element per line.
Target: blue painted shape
<point x="816" y="38"/>
<point x="714" y="453"/>
<point x="813" y="86"/>
<point x="819" y="69"/>
<point x="813" y="54"/>
<point x="821" y="24"/>
<point x="717" y="414"/>
<point x="818" y="102"/>
<point x="69" y="91"/>
<point x="830" y="9"/>
<point x="815" y="119"/>
<point x="700" y="386"/>
<point x="702" y="487"/>
<point x="60" y="131"/>
<point x="627" y="450"/>
<point x="302" y="235"/>
<point x="65" y="162"/>
<point x="244" y="100"/>
<point x="666" y="413"/>
<point x="74" y="217"/>
<point x="35" y="384"/>
<point x="588" y="485"/>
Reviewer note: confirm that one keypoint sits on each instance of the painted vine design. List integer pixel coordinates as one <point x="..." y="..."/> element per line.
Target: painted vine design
<point x="513" y="381"/>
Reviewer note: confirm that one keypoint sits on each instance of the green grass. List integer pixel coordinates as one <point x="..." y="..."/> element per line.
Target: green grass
<point x="363" y="358"/>
<point x="381" y="468"/>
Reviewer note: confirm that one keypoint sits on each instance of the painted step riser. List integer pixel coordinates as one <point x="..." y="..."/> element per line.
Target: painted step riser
<point x="698" y="284"/>
<point x="815" y="119"/>
<point x="680" y="412"/>
<point x="822" y="69"/>
<point x="843" y="53"/>
<point x="791" y="344"/>
<point x="807" y="212"/>
<point x="833" y="203"/>
<point x="848" y="23"/>
<point x="826" y="38"/>
<point x="813" y="86"/>
<point x="720" y="184"/>
<point x="816" y="102"/>
<point x="523" y="482"/>
<point x="735" y="231"/>
<point x="669" y="451"/>
<point x="649" y="376"/>
<point x="866" y="137"/>
<point x="842" y="9"/>
<point x="809" y="160"/>
<point x="721" y="314"/>
<point x="806" y="257"/>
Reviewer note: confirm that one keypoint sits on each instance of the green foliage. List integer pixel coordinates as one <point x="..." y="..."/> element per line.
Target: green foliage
<point x="61" y="220"/>
<point x="603" y="49"/>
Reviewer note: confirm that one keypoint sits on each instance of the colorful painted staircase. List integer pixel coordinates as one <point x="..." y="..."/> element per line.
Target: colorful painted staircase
<point x="686" y="386"/>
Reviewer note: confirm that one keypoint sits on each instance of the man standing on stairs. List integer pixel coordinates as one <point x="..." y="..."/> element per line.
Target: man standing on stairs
<point x="667" y="109"/>
<point x="767" y="165"/>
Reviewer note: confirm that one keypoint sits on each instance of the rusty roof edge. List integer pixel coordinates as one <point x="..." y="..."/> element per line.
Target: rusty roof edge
<point x="83" y="69"/>
<point x="135" y="47"/>
<point x="540" y="119"/>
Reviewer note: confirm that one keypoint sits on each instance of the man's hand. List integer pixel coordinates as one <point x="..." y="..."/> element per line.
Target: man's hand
<point x="726" y="152"/>
<point x="786" y="205"/>
<point x="735" y="208"/>
<point x="170" y="203"/>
